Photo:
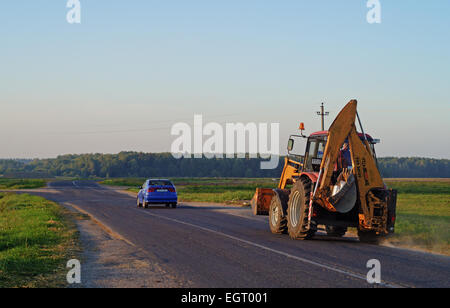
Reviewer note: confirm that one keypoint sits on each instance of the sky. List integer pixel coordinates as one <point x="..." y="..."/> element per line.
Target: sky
<point x="130" y="70"/>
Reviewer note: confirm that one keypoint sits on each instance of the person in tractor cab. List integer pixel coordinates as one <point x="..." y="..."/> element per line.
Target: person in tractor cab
<point x="345" y="157"/>
<point x="343" y="164"/>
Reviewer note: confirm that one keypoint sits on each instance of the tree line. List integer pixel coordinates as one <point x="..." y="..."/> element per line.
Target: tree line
<point x="133" y="164"/>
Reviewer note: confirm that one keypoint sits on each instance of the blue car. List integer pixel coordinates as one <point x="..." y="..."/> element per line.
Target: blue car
<point x="157" y="192"/>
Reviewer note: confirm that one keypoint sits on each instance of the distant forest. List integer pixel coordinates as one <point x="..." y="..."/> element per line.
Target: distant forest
<point x="133" y="164"/>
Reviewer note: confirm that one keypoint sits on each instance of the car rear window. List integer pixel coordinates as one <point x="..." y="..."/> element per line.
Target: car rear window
<point x="160" y="183"/>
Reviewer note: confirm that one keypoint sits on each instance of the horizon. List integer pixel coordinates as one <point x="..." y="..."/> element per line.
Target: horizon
<point x="169" y="153"/>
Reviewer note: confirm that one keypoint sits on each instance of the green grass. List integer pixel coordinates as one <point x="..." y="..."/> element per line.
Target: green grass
<point x="225" y="192"/>
<point x="425" y="187"/>
<point x="37" y="238"/>
<point x="133" y="182"/>
<point x="423" y="215"/>
<point x="22" y="183"/>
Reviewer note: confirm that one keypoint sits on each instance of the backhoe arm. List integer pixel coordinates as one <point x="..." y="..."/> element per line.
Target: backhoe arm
<point x="369" y="186"/>
<point x="338" y="132"/>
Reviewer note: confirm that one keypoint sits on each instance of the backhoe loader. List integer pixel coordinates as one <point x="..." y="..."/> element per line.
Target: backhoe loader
<point x="335" y="184"/>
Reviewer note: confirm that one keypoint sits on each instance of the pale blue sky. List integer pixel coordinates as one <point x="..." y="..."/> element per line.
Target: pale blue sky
<point x="121" y="78"/>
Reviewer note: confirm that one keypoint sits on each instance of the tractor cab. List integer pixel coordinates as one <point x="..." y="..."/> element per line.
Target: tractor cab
<point x="310" y="155"/>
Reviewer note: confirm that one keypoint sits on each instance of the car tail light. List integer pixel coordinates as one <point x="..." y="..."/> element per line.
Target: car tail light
<point x="150" y="190"/>
<point x="171" y="189"/>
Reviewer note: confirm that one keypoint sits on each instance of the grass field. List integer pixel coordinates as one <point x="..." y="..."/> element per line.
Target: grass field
<point x="37" y="238"/>
<point x="423" y="214"/>
<point x="423" y="209"/>
<point x="22" y="183"/>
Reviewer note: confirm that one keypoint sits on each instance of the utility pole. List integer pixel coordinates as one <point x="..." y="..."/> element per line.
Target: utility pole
<point x="322" y="113"/>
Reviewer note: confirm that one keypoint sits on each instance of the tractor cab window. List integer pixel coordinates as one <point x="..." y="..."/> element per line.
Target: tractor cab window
<point x="296" y="148"/>
<point x="314" y="154"/>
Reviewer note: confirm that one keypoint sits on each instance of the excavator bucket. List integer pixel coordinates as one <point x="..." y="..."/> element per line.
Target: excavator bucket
<point x="261" y="201"/>
<point x="344" y="196"/>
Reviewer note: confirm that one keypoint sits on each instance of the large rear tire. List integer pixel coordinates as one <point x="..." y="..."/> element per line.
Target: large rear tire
<point x="298" y="211"/>
<point x="277" y="219"/>
<point x="144" y="204"/>
<point x="174" y="205"/>
<point x="139" y="204"/>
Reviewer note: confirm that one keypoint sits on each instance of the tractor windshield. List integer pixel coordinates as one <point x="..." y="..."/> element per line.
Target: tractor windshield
<point x="316" y="148"/>
<point x="314" y="153"/>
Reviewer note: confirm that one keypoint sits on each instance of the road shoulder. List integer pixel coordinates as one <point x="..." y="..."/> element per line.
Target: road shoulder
<point x="108" y="261"/>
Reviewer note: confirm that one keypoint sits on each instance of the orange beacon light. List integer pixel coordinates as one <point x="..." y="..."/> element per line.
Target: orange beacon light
<point x="302" y="126"/>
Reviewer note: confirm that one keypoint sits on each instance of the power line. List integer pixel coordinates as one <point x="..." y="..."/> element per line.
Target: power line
<point x="113" y="131"/>
<point x="322" y="113"/>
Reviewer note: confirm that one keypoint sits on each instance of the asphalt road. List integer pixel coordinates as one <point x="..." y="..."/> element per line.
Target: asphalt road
<point x="218" y="246"/>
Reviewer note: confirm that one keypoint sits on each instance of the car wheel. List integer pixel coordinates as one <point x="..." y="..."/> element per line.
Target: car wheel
<point x="174" y="205"/>
<point x="144" y="204"/>
<point x="139" y="204"/>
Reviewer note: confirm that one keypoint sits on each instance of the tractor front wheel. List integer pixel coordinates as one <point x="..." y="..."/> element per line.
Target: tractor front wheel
<point x="277" y="219"/>
<point x="298" y="211"/>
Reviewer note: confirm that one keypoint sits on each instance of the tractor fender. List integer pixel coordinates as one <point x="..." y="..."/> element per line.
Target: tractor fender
<point x="311" y="175"/>
<point x="283" y="196"/>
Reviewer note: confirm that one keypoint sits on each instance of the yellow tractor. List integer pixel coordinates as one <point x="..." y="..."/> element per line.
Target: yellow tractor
<point x="336" y="184"/>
